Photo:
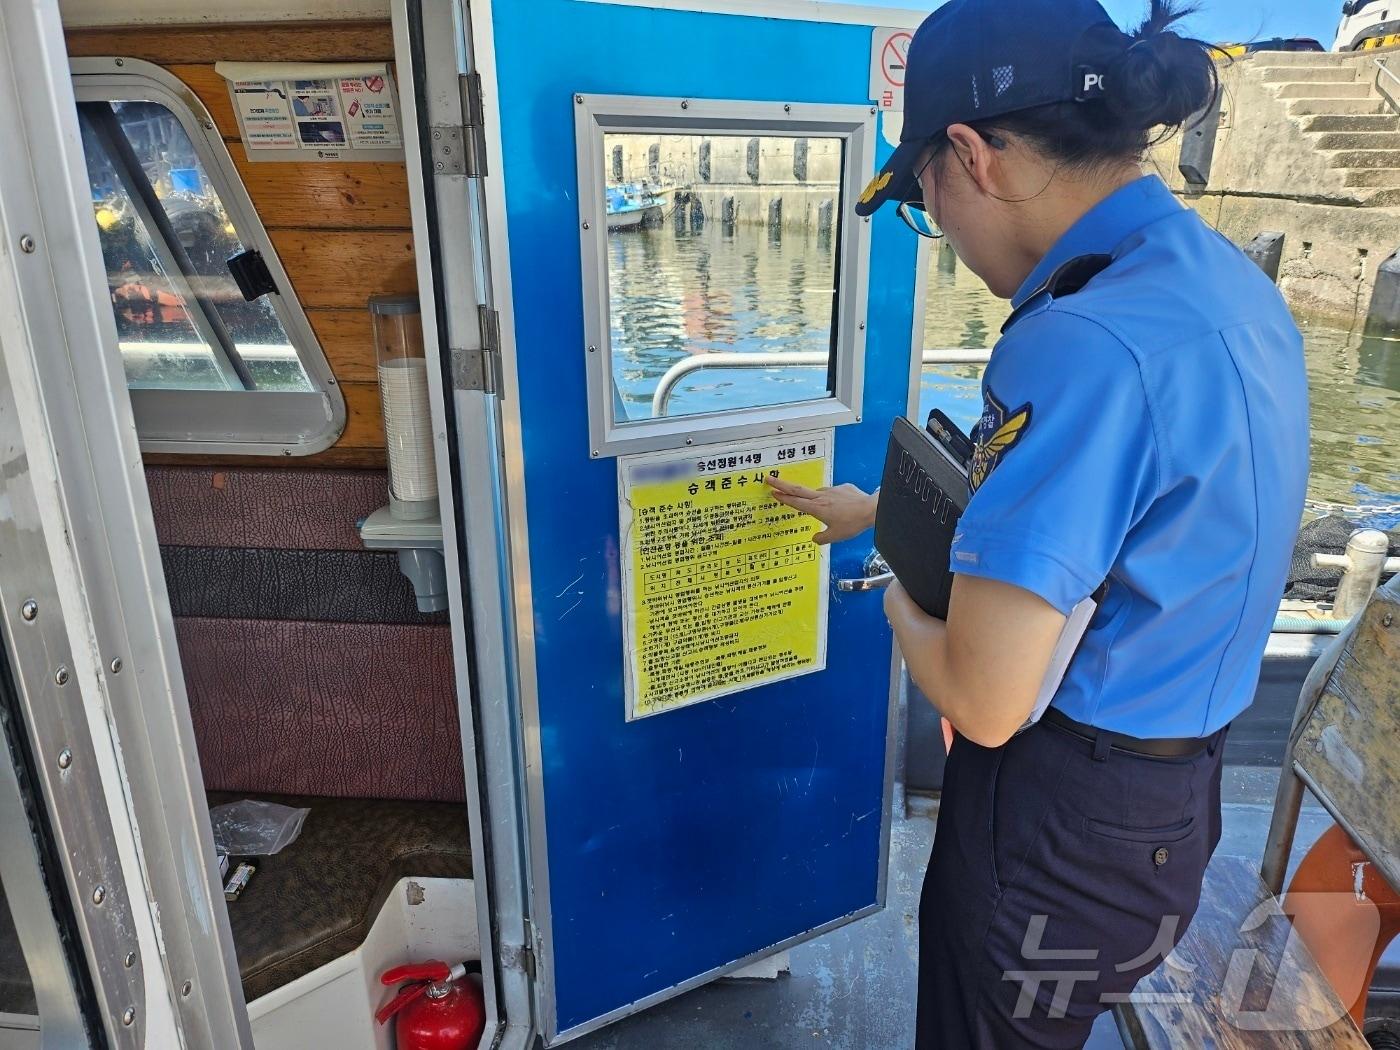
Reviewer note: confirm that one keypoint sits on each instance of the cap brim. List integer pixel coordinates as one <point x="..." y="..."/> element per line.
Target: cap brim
<point x="897" y="181"/>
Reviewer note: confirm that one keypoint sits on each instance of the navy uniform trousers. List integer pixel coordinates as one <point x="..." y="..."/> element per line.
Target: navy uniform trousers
<point x="1062" y="872"/>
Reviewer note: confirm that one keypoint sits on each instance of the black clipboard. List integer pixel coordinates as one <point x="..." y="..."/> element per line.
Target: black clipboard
<point x="923" y="493"/>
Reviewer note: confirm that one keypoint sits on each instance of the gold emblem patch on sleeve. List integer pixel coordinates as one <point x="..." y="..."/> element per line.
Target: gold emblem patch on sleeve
<point x="996" y="434"/>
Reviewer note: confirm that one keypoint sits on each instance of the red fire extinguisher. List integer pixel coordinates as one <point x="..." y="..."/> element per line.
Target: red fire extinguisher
<point x="441" y="1010"/>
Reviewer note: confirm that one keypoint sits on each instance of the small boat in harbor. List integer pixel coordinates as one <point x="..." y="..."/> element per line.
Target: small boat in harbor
<point x="630" y="205"/>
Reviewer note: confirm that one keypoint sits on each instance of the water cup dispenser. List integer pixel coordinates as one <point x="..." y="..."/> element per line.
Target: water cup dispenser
<point x="411" y="523"/>
<point x="403" y="392"/>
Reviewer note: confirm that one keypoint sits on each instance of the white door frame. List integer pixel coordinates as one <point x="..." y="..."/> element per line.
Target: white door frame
<point x="96" y="662"/>
<point x="437" y="47"/>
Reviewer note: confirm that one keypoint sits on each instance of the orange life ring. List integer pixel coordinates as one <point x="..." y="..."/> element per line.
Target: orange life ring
<point x="1345" y="912"/>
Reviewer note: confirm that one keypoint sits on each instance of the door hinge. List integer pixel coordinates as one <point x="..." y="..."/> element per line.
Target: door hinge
<point x="460" y="149"/>
<point x="529" y="953"/>
<point x="449" y="158"/>
<point x="473" y="124"/>
<point x="480" y="368"/>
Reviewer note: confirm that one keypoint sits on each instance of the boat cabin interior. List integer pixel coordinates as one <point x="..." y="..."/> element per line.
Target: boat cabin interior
<point x="402" y="363"/>
<point x="315" y="676"/>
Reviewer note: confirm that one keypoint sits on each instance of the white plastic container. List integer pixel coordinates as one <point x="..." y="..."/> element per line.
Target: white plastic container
<point x="403" y="391"/>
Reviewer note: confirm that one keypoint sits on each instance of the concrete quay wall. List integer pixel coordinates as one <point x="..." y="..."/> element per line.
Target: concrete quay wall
<point x="1304" y="148"/>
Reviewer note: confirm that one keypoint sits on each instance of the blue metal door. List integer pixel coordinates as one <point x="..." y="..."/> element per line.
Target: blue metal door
<point x="667" y="850"/>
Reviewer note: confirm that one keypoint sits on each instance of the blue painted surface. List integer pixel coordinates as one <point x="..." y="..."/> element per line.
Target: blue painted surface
<point x="686" y="841"/>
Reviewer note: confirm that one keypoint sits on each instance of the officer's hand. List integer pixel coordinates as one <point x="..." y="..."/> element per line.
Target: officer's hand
<point x="901" y="610"/>
<point x="845" y="510"/>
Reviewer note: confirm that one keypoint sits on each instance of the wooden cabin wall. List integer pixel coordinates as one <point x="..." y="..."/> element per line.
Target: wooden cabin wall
<point x="342" y="230"/>
<point x="309" y="669"/>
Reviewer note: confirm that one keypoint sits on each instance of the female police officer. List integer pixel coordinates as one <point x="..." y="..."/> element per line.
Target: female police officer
<point x="1145" y="424"/>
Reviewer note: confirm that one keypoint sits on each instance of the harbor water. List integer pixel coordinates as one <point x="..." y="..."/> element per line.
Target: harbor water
<point x="677" y="293"/>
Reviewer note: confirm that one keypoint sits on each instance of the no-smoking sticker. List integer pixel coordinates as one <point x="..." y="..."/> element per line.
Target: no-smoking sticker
<point x="894" y="57"/>
<point x="889" y="59"/>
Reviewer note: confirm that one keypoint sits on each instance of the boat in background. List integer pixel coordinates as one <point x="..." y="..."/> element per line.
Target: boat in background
<point x="631" y="204"/>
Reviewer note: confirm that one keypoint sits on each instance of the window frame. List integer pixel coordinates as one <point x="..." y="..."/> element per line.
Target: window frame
<point x="238" y="422"/>
<point x="596" y="116"/>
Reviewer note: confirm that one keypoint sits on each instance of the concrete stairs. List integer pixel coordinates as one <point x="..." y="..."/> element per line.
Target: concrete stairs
<point x="1335" y="101"/>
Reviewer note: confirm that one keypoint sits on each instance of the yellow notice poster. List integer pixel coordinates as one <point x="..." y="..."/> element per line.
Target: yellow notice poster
<point x="723" y="588"/>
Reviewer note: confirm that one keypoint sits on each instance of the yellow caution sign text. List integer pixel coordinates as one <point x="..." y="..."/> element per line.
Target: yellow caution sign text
<point x="723" y="586"/>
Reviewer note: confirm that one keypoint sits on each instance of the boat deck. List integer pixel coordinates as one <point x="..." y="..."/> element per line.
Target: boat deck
<point x="854" y="989"/>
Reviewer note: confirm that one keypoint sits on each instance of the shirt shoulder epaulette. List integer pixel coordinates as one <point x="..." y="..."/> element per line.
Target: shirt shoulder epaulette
<point x="1067" y="279"/>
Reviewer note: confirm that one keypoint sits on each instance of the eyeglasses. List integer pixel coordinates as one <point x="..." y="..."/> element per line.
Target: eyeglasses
<point x="919" y="220"/>
<point x="915" y="213"/>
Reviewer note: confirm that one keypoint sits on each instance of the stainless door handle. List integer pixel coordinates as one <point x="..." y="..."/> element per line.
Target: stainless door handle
<point x="866" y="583"/>
<point x="877" y="575"/>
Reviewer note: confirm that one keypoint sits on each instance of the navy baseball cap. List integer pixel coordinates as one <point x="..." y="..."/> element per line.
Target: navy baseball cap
<point x="976" y="59"/>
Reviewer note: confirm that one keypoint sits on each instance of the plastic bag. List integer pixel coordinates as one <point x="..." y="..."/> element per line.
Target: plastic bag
<point x="250" y="828"/>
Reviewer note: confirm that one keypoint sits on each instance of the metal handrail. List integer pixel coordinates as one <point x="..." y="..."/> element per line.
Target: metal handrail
<point x="661" y="400"/>
<point x="1389" y="98"/>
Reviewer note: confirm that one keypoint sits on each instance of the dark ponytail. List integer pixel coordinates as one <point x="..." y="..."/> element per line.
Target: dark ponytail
<point x="1163" y="78"/>
<point x="1155" y="86"/>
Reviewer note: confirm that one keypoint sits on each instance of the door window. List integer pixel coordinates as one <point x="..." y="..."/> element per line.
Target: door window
<point x="720" y="280"/>
<point x="696" y="278"/>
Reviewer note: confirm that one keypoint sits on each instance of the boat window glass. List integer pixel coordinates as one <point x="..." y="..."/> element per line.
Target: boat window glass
<point x="735" y="272"/>
<point x="166" y="244"/>
<point x="218" y="354"/>
<point x="724" y="293"/>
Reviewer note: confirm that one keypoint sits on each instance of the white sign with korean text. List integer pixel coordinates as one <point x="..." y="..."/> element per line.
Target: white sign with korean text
<point x="370" y="115"/>
<point x="265" y="111"/>
<point x="315" y="112"/>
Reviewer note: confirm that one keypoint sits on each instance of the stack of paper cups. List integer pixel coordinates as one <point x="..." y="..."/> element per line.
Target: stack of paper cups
<point x="408" y="428"/>
<point x="403" y="389"/>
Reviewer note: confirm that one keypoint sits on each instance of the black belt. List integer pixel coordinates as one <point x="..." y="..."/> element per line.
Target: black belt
<point x="1102" y="739"/>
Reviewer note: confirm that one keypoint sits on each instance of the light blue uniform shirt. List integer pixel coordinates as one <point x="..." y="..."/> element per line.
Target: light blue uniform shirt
<point x="1151" y="430"/>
